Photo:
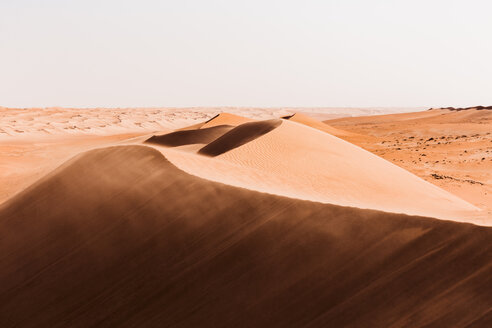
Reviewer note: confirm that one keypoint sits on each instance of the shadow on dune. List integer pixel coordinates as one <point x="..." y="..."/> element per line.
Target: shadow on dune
<point x="239" y="136"/>
<point x="188" y="137"/>
<point x="119" y="237"/>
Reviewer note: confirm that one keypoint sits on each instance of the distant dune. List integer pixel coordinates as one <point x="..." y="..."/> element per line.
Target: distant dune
<point x="120" y="237"/>
<point x="55" y="122"/>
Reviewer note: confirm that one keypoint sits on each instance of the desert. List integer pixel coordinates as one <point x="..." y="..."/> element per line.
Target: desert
<point x="250" y="164"/>
<point x="246" y="217"/>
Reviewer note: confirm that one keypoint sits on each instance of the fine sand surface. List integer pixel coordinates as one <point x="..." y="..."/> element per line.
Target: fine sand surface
<point x="449" y="148"/>
<point x="200" y="218"/>
<point x="42" y="122"/>
<point x="120" y="237"/>
<point x="25" y="160"/>
<point x="33" y="141"/>
<point x="298" y="161"/>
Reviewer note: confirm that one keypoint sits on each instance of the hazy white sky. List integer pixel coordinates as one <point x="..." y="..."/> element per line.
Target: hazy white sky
<point x="245" y="53"/>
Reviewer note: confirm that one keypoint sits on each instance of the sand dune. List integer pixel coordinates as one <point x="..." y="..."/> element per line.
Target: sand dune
<point x="28" y="123"/>
<point x="23" y="161"/>
<point x="239" y="136"/>
<point x="120" y="237"/>
<point x="296" y="161"/>
<point x="189" y="136"/>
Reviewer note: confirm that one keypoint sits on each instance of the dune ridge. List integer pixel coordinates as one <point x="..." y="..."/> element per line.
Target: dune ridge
<point x="298" y="161"/>
<point x="225" y="118"/>
<point x="306" y="120"/>
<point x="140" y="242"/>
<point x="240" y="135"/>
<point x="190" y="136"/>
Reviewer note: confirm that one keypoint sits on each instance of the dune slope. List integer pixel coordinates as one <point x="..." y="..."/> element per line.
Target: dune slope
<point x="450" y="148"/>
<point x="239" y="136"/>
<point x="187" y="137"/>
<point x="121" y="237"/>
<point x="297" y="161"/>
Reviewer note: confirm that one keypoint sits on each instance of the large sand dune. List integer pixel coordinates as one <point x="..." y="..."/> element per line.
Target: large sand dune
<point x="298" y="161"/>
<point x="121" y="237"/>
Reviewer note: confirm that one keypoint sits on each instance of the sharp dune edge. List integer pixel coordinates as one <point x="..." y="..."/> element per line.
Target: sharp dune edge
<point x="190" y="136"/>
<point x="239" y="136"/>
<point x="226" y="118"/>
<point x="121" y="237"/>
<point x="219" y="119"/>
<point x="306" y="120"/>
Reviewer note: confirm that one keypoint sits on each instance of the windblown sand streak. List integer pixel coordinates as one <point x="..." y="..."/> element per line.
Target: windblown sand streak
<point x="121" y="237"/>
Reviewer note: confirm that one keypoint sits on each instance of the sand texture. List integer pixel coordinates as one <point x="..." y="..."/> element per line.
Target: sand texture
<point x="245" y="218"/>
<point x="449" y="148"/>
<point x="58" y="121"/>
<point x="121" y="237"/>
<point x="298" y="161"/>
<point x="240" y="135"/>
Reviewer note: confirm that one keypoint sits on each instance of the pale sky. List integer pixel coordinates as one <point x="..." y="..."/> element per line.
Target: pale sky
<point x="121" y="53"/>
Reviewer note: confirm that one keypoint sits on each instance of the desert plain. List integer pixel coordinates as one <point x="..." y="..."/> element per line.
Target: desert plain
<point x="245" y="217"/>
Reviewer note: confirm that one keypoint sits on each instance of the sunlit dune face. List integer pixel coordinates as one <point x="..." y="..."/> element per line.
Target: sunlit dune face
<point x="296" y="160"/>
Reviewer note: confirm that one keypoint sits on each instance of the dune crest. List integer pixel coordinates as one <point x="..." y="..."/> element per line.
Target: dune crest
<point x="225" y="118"/>
<point x="239" y="136"/>
<point x="306" y="120"/>
<point x="121" y="237"/>
<point x="188" y="137"/>
<point x="296" y="161"/>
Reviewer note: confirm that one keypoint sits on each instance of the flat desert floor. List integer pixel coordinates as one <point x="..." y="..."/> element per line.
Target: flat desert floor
<point x="245" y="217"/>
